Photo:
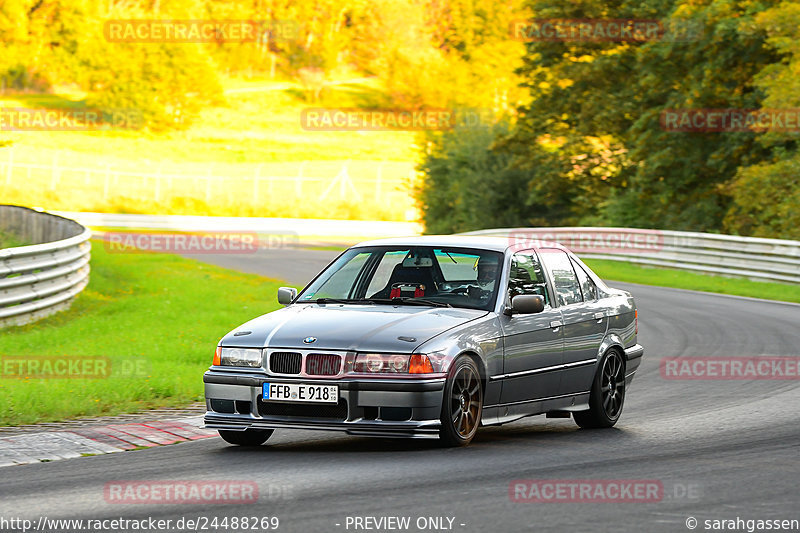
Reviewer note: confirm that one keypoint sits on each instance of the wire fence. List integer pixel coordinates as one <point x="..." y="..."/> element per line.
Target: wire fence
<point x="384" y="183"/>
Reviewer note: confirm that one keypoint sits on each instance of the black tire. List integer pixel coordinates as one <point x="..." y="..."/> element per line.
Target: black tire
<point x="248" y="437"/>
<point x="607" y="395"/>
<point x="462" y="405"/>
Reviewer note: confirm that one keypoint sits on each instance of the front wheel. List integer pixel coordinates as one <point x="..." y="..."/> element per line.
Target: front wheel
<point x="607" y="395"/>
<point x="462" y="405"/>
<point x="248" y="437"/>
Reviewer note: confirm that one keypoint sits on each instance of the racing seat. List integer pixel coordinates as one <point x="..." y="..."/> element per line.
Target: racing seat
<point x="422" y="276"/>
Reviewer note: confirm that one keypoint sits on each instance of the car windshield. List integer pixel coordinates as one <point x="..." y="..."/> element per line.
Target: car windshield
<point x="424" y="275"/>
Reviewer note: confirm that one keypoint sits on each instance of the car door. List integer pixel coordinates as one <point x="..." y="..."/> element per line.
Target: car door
<point x="533" y="343"/>
<point x="584" y="319"/>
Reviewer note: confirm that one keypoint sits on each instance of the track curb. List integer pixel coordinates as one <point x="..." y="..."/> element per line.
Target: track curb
<point x="45" y="446"/>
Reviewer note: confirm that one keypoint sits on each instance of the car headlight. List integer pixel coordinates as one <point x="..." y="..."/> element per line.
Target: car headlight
<point x="379" y="363"/>
<point x="238" y="357"/>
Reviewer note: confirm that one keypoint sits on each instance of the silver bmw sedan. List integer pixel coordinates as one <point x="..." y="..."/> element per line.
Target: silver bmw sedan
<point x="429" y="337"/>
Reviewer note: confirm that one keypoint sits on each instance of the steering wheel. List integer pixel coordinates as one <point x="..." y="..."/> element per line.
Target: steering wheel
<point x="471" y="291"/>
<point x="462" y="290"/>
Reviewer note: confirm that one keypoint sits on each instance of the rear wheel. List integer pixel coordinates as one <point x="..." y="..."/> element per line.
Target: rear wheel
<point x="462" y="405"/>
<point x="248" y="437"/>
<point x="607" y="395"/>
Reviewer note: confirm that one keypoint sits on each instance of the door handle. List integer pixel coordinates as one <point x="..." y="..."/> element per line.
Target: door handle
<point x="599" y="316"/>
<point x="555" y="324"/>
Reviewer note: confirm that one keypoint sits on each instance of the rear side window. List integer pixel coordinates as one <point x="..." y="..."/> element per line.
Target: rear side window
<point x="568" y="290"/>
<point x="588" y="287"/>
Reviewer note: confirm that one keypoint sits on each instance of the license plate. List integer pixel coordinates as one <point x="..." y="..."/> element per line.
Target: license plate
<point x="300" y="392"/>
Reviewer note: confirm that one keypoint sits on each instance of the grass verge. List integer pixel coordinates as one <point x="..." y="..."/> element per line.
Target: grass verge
<point x="679" y="279"/>
<point x="157" y="317"/>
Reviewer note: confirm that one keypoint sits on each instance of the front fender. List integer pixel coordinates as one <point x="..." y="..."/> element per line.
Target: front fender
<point x="483" y="338"/>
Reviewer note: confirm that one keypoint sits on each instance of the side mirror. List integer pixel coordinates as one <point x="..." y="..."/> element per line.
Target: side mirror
<point x="526" y="304"/>
<point x="286" y="295"/>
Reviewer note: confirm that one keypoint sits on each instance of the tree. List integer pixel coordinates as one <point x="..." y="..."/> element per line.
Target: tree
<point x="598" y="103"/>
<point x="468" y="185"/>
<point x="766" y="196"/>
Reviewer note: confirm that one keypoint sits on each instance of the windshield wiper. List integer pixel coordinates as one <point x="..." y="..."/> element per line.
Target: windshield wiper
<point x="425" y="301"/>
<point x="390" y="301"/>
<point x="411" y="301"/>
<point x="340" y="301"/>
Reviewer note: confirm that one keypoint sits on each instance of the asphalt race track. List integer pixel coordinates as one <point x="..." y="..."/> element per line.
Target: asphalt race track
<point x="297" y="266"/>
<point x="720" y="449"/>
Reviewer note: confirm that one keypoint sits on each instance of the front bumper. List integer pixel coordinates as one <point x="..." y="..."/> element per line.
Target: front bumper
<point x="370" y="407"/>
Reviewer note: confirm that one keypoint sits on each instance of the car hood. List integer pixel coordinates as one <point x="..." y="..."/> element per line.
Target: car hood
<point x="380" y="328"/>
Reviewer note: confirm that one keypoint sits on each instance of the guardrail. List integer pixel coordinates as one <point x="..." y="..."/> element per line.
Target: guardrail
<point x="42" y="278"/>
<point x="729" y="255"/>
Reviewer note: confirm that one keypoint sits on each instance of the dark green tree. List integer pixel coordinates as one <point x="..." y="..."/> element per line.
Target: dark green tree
<point x="469" y="186"/>
<point x="598" y="105"/>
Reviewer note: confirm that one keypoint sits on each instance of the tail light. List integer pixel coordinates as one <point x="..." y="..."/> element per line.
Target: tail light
<point x="636" y="315"/>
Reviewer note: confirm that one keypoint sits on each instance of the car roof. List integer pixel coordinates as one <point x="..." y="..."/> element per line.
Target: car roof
<point x="498" y="244"/>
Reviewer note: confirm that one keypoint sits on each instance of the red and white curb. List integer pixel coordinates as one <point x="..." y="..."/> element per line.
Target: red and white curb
<point x="94" y="440"/>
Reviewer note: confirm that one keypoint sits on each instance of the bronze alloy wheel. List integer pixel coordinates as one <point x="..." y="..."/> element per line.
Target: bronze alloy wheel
<point x="463" y="403"/>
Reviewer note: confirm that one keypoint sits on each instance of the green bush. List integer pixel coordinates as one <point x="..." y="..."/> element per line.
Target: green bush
<point x="765" y="201"/>
<point x="467" y="185"/>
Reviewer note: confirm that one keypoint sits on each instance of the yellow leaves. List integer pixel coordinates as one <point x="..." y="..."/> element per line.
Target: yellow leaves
<point x="552" y="143"/>
<point x="585" y="58"/>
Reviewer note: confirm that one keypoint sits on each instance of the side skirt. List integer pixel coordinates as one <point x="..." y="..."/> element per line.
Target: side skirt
<point x="504" y="413"/>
